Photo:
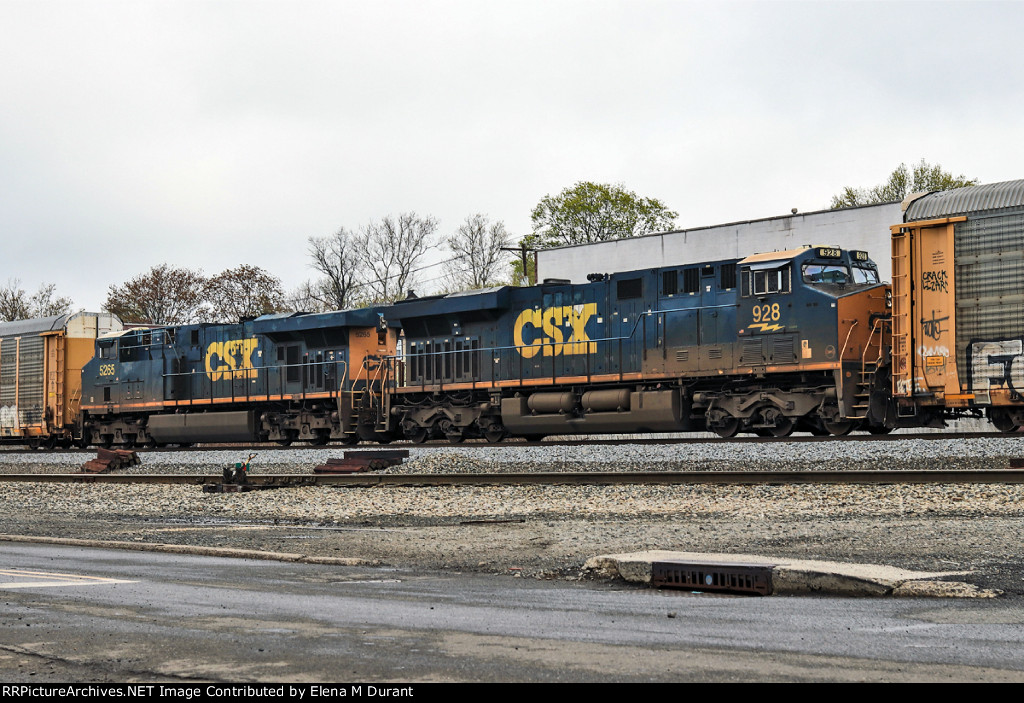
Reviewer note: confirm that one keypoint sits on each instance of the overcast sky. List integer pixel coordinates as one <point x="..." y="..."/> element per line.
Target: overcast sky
<point x="210" y="134"/>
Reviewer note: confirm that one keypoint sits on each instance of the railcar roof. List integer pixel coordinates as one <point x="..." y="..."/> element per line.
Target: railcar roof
<point x="962" y="201"/>
<point x="20" y="328"/>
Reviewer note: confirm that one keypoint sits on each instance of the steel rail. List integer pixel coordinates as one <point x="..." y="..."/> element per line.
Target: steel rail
<point x="876" y="477"/>
<point x="553" y="443"/>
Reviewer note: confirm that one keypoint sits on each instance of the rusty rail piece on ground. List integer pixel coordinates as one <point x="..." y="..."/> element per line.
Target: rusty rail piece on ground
<point x="110" y="460"/>
<point x="994" y="476"/>
<point x="361" y="461"/>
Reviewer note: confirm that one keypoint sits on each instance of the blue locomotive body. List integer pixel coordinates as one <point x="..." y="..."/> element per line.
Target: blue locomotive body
<point x="759" y="344"/>
<point x="277" y="377"/>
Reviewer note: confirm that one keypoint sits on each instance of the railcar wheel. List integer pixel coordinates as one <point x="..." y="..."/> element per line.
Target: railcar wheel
<point x="349" y="440"/>
<point x="454" y="437"/>
<point x="33" y="444"/>
<point x="106" y="441"/>
<point x="51" y="442"/>
<point x="1003" y="422"/>
<point x="839" y="429"/>
<point x="879" y="429"/>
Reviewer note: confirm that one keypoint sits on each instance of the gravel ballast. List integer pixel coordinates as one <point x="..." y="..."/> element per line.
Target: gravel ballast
<point x="551" y="531"/>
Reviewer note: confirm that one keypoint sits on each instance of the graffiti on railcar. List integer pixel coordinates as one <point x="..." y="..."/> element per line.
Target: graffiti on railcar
<point x="996" y="365"/>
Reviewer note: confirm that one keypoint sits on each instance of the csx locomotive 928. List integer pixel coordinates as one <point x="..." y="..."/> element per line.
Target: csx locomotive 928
<point x="766" y="344"/>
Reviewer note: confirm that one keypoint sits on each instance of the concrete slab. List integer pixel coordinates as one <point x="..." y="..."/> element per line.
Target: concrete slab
<point x="798" y="576"/>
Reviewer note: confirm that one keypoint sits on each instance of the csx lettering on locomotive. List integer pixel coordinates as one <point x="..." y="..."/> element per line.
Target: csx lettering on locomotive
<point x="551" y="322"/>
<point x="231" y="359"/>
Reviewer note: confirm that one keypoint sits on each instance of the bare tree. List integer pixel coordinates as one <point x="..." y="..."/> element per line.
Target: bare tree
<point x="16" y="304"/>
<point x="309" y="296"/>
<point x="163" y="296"/>
<point x="477" y="252"/>
<point x="335" y="258"/>
<point x="389" y="251"/>
<point x="244" y="291"/>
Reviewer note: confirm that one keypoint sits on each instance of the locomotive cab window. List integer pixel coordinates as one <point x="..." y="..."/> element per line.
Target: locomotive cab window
<point x="825" y="273"/>
<point x="769" y="281"/>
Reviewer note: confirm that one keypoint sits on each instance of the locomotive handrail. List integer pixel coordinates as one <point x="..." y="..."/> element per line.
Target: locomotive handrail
<point x="265" y="371"/>
<point x="439" y="383"/>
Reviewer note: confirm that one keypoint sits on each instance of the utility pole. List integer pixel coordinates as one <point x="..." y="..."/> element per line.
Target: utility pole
<point x="531" y="279"/>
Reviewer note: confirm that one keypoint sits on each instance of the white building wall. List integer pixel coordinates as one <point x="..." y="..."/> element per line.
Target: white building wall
<point x="865" y="228"/>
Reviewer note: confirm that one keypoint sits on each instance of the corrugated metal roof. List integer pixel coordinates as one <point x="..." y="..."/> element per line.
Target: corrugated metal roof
<point x="961" y="201"/>
<point x="19" y="328"/>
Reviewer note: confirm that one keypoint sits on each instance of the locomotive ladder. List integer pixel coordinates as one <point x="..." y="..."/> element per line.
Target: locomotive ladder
<point x="869" y="361"/>
<point x="902" y="363"/>
<point x="367" y="396"/>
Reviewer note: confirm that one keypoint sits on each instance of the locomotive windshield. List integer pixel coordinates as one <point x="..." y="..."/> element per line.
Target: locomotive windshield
<point x="838" y="273"/>
<point x="825" y="273"/>
<point x="863" y="274"/>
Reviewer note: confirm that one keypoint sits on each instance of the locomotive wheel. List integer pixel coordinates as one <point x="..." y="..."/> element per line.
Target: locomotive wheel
<point x="727" y="427"/>
<point x="495" y="433"/>
<point x="783" y="427"/>
<point x="417" y="435"/>
<point x="454" y="437"/>
<point x="879" y="429"/>
<point x="839" y="429"/>
<point x="349" y="440"/>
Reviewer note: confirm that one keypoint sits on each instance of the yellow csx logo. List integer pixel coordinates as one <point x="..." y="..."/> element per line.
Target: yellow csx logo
<point x="231" y="359"/>
<point x="551" y="322"/>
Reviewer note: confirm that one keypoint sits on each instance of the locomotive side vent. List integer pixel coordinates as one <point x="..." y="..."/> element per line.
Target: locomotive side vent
<point x="749" y="579"/>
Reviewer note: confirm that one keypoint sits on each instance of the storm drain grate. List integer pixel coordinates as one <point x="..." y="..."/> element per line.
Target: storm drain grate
<point x="753" y="579"/>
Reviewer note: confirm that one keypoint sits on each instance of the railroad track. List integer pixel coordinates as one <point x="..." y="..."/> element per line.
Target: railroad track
<point x="998" y="476"/>
<point x="546" y="443"/>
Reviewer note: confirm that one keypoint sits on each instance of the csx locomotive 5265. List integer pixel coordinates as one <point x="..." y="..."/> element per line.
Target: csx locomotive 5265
<point x="806" y="339"/>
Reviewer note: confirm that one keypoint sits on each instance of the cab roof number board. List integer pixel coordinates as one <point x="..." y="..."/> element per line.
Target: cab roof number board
<point x="828" y="253"/>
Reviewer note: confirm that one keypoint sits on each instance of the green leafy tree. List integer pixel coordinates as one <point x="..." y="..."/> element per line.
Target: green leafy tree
<point x="923" y="177"/>
<point x="596" y="212"/>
